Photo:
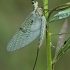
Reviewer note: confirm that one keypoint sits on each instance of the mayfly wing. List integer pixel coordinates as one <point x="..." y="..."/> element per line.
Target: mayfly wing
<point x="26" y="33"/>
<point x="42" y="32"/>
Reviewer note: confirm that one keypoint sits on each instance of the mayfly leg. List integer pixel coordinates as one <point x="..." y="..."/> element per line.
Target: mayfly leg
<point x="36" y="59"/>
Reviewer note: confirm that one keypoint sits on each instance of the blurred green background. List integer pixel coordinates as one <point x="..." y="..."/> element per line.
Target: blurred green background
<point x="12" y="15"/>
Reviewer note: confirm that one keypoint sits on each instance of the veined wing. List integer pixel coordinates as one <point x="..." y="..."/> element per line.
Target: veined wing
<point x="27" y="32"/>
<point x="42" y="32"/>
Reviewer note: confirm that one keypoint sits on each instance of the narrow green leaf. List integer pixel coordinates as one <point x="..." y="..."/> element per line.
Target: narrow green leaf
<point x="60" y="15"/>
<point x="59" y="8"/>
<point x="62" y="7"/>
<point x="63" y="49"/>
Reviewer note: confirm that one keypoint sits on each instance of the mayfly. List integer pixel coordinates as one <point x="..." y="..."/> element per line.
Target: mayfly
<point x="32" y="27"/>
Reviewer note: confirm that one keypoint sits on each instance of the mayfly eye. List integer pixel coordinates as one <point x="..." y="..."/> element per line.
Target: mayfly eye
<point x="32" y="1"/>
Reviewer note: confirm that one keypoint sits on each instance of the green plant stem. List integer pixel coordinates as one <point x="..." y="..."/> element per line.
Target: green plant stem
<point x="49" y="59"/>
<point x="46" y="8"/>
<point x="48" y="38"/>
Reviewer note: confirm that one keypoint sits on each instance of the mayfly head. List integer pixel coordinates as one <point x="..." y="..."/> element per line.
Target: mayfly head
<point x="35" y="4"/>
<point x="36" y="8"/>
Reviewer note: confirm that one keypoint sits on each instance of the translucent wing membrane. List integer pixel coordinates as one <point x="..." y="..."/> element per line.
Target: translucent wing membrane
<point x="21" y="39"/>
<point x="27" y="32"/>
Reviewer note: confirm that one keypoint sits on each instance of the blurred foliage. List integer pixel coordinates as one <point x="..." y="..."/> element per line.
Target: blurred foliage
<point x="12" y="15"/>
